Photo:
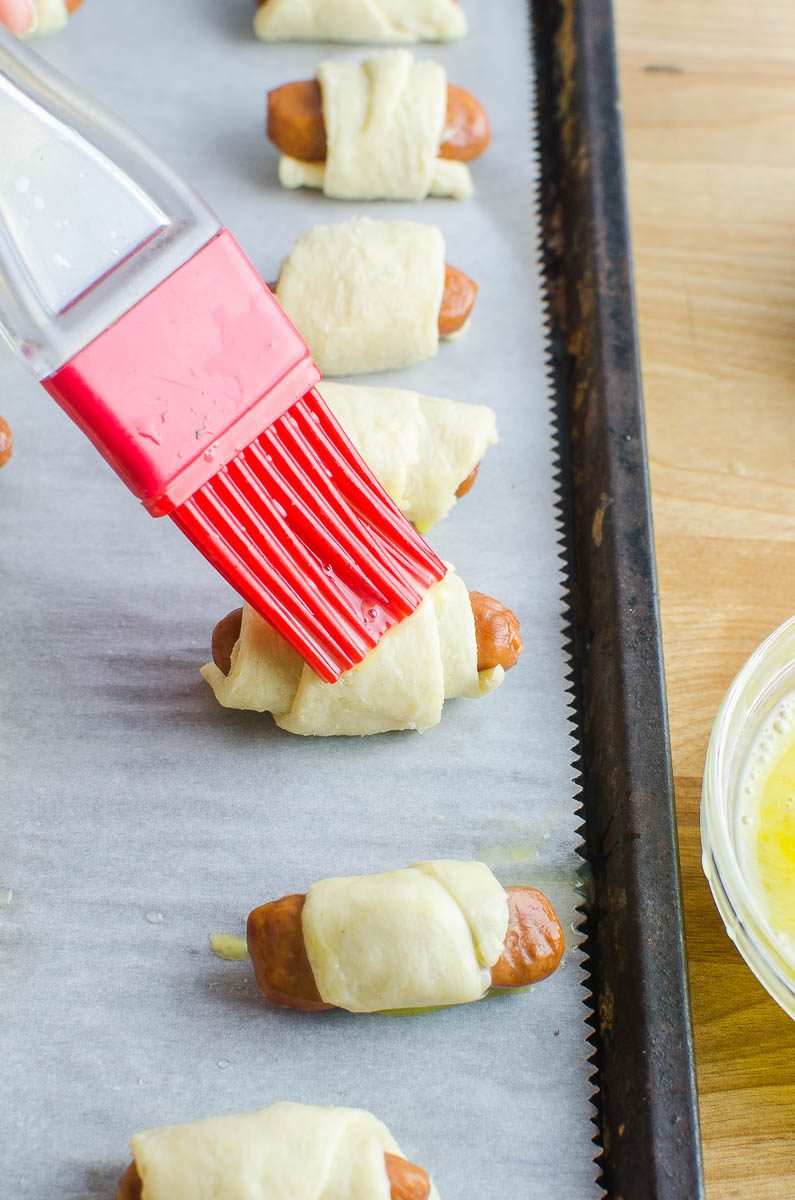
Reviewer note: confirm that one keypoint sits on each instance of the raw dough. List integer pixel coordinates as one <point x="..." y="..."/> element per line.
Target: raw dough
<point x="366" y="294"/>
<point x="423" y="936"/>
<point x="52" y="16"/>
<point x="360" y="21"/>
<point x="285" y="1152"/>
<point x="421" y="448"/>
<point x="447" y="179"/>
<point x="427" y="658"/>
<point x="385" y="120"/>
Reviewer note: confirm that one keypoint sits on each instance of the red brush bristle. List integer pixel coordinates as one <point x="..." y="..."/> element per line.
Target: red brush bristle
<point x="301" y="529"/>
<point x="205" y="363"/>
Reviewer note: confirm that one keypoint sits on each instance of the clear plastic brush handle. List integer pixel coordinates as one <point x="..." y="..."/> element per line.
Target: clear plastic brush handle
<point x="91" y="219"/>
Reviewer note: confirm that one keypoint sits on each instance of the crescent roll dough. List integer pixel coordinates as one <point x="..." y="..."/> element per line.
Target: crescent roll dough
<point x="423" y="936"/>
<point x="366" y="294"/>
<point x="360" y="21"/>
<point x="385" y="120"/>
<point x="52" y="16"/>
<point x="421" y="448"/>
<point x="429" y="657"/>
<point x="285" y="1152"/>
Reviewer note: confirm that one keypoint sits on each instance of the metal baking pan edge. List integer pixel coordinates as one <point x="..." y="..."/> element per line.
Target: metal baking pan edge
<point x="643" y="1044"/>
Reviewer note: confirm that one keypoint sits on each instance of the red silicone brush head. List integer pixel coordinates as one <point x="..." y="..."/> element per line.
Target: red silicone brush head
<point x="302" y="530"/>
<point x="201" y="397"/>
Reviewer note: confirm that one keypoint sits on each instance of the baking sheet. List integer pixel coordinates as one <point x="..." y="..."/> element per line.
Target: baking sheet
<point x="138" y="816"/>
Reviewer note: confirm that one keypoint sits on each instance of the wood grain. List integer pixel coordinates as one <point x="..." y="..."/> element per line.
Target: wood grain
<point x="709" y="111"/>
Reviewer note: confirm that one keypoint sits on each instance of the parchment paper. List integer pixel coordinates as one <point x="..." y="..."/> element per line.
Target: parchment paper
<point x="138" y="816"/>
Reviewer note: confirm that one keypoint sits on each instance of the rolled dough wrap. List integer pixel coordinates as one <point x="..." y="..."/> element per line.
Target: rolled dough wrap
<point x="428" y="658"/>
<point x="360" y="21"/>
<point x="366" y="294"/>
<point x="52" y="15"/>
<point x="385" y="120"/>
<point x="421" y="448"/>
<point x="285" y="1152"/>
<point x="423" y="936"/>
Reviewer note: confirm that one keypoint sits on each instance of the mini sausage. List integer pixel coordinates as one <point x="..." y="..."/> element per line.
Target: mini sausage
<point x="225" y="635"/>
<point x="6" y="442"/>
<point x="130" y="1186"/>
<point x="458" y="300"/>
<point x="296" y="125"/>
<point x="496" y="631"/>
<point x="467" y="484"/>
<point x="275" y="939"/>
<point x="534" y="943"/>
<point x="407" y="1181"/>
<point x="533" y="948"/>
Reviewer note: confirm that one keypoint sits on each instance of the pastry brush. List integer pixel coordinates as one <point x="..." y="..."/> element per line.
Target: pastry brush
<point x="143" y="318"/>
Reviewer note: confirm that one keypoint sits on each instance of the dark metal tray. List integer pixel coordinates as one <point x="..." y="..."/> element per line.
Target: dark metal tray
<point x="648" y="1109"/>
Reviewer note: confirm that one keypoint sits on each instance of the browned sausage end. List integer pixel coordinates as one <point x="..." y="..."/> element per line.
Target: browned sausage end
<point x="407" y="1181"/>
<point x="467" y="133"/>
<point x="275" y="938"/>
<point x="225" y="636"/>
<point x="497" y="632"/>
<point x="295" y="120"/>
<point x="6" y="442"/>
<point x="130" y="1186"/>
<point x="458" y="300"/>
<point x="467" y="484"/>
<point x="534" y="943"/>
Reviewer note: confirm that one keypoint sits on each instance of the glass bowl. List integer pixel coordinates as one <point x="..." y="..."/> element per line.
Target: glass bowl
<point x="762" y="683"/>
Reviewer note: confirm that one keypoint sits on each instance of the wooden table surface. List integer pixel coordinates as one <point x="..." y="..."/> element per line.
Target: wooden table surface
<point x="709" y="113"/>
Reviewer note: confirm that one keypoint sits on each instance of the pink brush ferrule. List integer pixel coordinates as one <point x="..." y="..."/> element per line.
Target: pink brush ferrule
<point x="188" y="378"/>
